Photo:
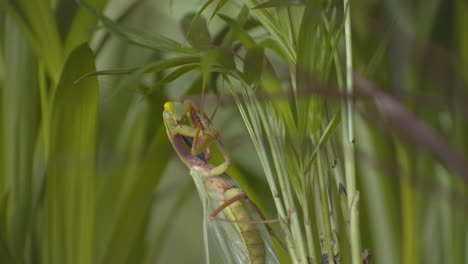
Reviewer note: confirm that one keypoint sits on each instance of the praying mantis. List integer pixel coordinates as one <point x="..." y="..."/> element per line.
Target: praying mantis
<point x="243" y="232"/>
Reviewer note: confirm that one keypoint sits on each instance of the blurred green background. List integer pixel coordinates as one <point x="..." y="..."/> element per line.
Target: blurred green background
<point x="87" y="174"/>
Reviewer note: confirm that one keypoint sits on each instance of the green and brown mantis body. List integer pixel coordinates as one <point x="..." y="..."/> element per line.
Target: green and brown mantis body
<point x="240" y="235"/>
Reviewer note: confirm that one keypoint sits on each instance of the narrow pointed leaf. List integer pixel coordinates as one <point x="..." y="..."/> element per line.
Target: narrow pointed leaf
<point x="158" y="43"/>
<point x="71" y="190"/>
<point x="280" y="3"/>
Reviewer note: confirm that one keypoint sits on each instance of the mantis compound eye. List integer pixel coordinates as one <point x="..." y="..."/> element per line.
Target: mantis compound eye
<point x="169" y="107"/>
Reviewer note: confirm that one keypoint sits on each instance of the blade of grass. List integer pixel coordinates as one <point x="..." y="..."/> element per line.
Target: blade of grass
<point x="268" y="20"/>
<point x="348" y="143"/>
<point x="377" y="199"/>
<point x="158" y="43"/>
<point x="136" y="206"/>
<point x="411" y="250"/>
<point x="70" y="197"/>
<point x="115" y="183"/>
<point x="38" y="21"/>
<point x="157" y="244"/>
<point x="325" y="213"/>
<point x="196" y="32"/>
<point x="155" y="67"/>
<point x="21" y="125"/>
<point x="80" y="26"/>
<point x="280" y="3"/>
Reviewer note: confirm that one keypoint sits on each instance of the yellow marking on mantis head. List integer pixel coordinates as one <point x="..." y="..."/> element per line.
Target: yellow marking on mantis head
<point x="177" y="110"/>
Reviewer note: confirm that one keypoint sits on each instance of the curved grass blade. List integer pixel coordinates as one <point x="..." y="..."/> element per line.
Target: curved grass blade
<point x="158" y="43"/>
<point x="202" y="9"/>
<point x="137" y="204"/>
<point x="37" y="23"/>
<point x="280" y="3"/>
<point x="81" y="23"/>
<point x="19" y="124"/>
<point x="245" y="38"/>
<point x="218" y="7"/>
<point x="156" y="66"/>
<point x="176" y="74"/>
<point x="157" y="244"/>
<point x="70" y="196"/>
<point x="196" y="31"/>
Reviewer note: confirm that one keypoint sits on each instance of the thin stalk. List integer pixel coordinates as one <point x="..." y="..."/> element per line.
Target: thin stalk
<point x="334" y="200"/>
<point x="285" y="186"/>
<point x="45" y="110"/>
<point x="349" y="69"/>
<point x="325" y="208"/>
<point x="354" y="231"/>
<point x="350" y="172"/>
<point x="310" y="240"/>
<point x="254" y="129"/>
<point x="410" y="248"/>
<point x="255" y="121"/>
<point x="349" y="151"/>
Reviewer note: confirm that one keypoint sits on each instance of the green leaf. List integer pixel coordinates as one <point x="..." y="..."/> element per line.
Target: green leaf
<point x="273" y="45"/>
<point x="324" y="138"/>
<point x="196" y="31"/>
<point x="136" y="206"/>
<point x="218" y="7"/>
<point x="269" y="20"/>
<point x="280" y="3"/>
<point x="253" y="64"/>
<point x="157" y="244"/>
<point x="379" y="53"/>
<point x="158" y="43"/>
<point x="306" y="47"/>
<point x="78" y="30"/>
<point x="116" y="182"/>
<point x="71" y="172"/>
<point x="20" y="128"/>
<point x="202" y="9"/>
<point x="37" y="22"/>
<point x="156" y="66"/>
<point x="309" y="67"/>
<point x="176" y="74"/>
<point x="5" y="253"/>
<point x="65" y="13"/>
<point x="237" y="29"/>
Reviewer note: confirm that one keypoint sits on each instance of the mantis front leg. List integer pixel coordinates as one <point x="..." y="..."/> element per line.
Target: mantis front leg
<point x="200" y="130"/>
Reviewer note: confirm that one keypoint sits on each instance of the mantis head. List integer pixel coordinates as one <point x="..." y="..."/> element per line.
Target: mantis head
<point x="177" y="111"/>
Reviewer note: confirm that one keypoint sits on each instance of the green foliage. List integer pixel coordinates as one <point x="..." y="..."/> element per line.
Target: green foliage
<point x="360" y="139"/>
<point x="71" y="180"/>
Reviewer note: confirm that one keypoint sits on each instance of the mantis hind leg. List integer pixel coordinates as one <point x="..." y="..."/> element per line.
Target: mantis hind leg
<point x="243" y="196"/>
<point x="265" y="222"/>
<point x="227" y="203"/>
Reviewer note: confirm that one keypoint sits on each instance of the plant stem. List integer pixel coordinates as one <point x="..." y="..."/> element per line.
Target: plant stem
<point x="410" y="249"/>
<point x="325" y="208"/>
<point x="350" y="159"/>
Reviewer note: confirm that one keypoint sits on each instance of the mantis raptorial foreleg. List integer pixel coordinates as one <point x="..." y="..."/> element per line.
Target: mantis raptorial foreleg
<point x="201" y="132"/>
